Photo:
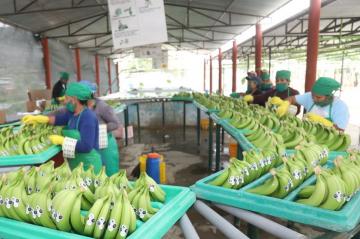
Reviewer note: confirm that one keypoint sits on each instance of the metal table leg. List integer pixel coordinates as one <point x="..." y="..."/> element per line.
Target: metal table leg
<point x="138" y="118"/>
<point x="217" y="141"/>
<point x="188" y="228"/>
<point x="210" y="142"/>
<point x="222" y="139"/>
<point x="261" y="222"/>
<point x="222" y="224"/>
<point x="239" y="152"/>
<point x="126" y="120"/>
<point x="198" y="115"/>
<point x="184" y="119"/>
<point x="163" y="113"/>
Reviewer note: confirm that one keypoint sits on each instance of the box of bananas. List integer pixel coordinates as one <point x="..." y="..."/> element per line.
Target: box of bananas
<point x="27" y="144"/>
<point x="182" y="96"/>
<point x="83" y="203"/>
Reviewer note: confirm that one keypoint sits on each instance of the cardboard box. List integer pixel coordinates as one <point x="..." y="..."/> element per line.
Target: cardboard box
<point x="38" y="94"/>
<point x="2" y="117"/>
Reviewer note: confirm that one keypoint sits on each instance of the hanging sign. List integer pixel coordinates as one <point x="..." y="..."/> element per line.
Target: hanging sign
<point x="137" y="22"/>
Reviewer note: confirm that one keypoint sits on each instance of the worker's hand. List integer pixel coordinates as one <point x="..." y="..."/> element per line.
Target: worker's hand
<point x="61" y="98"/>
<point x="283" y="108"/>
<point x="318" y="119"/>
<point x="34" y="119"/>
<point x="275" y="100"/>
<point x="249" y="98"/>
<point x="56" y="139"/>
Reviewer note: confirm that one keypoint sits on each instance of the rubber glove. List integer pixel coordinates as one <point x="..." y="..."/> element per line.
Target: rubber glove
<point x="34" y="119"/>
<point x="62" y="98"/>
<point x="283" y="108"/>
<point x="276" y="100"/>
<point x="249" y="98"/>
<point x="318" y="119"/>
<point x="56" y="139"/>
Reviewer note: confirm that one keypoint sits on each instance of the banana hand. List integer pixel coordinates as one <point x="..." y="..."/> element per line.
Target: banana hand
<point x="249" y="98"/>
<point x="283" y="108"/>
<point x="276" y="100"/>
<point x="61" y="98"/>
<point x="319" y="119"/>
<point x="34" y="119"/>
<point x="56" y="139"/>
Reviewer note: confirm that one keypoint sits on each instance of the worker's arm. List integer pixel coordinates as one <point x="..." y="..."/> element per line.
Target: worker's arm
<point x="262" y="98"/>
<point x="340" y="115"/>
<point x="109" y="117"/>
<point x="60" y="119"/>
<point x="56" y="92"/>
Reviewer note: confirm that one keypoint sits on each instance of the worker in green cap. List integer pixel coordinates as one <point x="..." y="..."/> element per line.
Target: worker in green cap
<point x="275" y="96"/>
<point x="80" y="139"/>
<point x="266" y="83"/>
<point x="59" y="89"/>
<point x="321" y="104"/>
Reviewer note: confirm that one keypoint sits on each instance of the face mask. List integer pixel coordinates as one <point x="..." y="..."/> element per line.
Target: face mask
<point x="266" y="86"/>
<point x="326" y="102"/>
<point x="281" y="87"/>
<point x="70" y="107"/>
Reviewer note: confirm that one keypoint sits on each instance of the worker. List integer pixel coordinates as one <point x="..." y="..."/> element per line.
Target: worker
<point x="282" y="91"/>
<point x="266" y="83"/>
<point x="81" y="134"/>
<point x="59" y="89"/>
<point x="253" y="86"/>
<point x="322" y="105"/>
<point x="106" y="116"/>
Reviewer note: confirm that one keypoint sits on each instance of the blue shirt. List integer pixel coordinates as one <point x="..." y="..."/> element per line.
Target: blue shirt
<point x="88" y="127"/>
<point x="339" y="111"/>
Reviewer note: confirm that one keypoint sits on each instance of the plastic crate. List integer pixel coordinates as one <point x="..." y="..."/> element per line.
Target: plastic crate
<point x="181" y="98"/>
<point x="178" y="201"/>
<point x="343" y="220"/>
<point x="31" y="158"/>
<point x="16" y="123"/>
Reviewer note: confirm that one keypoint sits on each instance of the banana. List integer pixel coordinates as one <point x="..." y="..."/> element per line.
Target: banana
<point x="346" y="143"/>
<point x="40" y="209"/>
<point x="221" y="178"/>
<point x="285" y="184"/>
<point x="126" y="218"/>
<point x="77" y="221"/>
<point x="102" y="219"/>
<point x="90" y="219"/>
<point x="336" y="191"/>
<point x="319" y="195"/>
<point x="269" y="186"/>
<point x="306" y="191"/>
<point x="114" y="219"/>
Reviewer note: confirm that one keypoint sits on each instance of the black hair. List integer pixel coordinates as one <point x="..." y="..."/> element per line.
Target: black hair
<point x="83" y="102"/>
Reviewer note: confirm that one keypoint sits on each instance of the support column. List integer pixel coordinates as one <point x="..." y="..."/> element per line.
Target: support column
<point x="269" y="60"/>
<point x="97" y="73"/>
<point x="220" y="71"/>
<point x="204" y="75"/>
<point x="78" y="65"/>
<point x="117" y="76"/>
<point x="258" y="45"/>
<point x="234" y="59"/>
<point x="109" y="74"/>
<point x="313" y="43"/>
<point x="46" y="52"/>
<point x="210" y="75"/>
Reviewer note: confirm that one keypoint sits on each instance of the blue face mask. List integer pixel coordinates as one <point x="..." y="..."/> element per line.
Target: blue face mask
<point x="70" y="107"/>
<point x="281" y="87"/>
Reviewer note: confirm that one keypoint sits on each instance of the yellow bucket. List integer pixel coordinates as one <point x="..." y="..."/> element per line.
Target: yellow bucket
<point x="162" y="172"/>
<point x="204" y="124"/>
<point x="142" y="160"/>
<point x="233" y="149"/>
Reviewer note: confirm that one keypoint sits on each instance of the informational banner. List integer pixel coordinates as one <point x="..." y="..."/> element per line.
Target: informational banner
<point x="147" y="51"/>
<point x="137" y="22"/>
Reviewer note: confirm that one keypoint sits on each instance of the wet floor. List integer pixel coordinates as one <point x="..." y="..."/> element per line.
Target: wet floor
<point x="186" y="163"/>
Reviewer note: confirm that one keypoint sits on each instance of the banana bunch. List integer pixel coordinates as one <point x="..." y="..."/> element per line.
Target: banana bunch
<point x="292" y="135"/>
<point x="156" y="193"/>
<point x="121" y="181"/>
<point x="140" y="200"/>
<point x="29" y="139"/>
<point x="270" y="121"/>
<point x="241" y="172"/>
<point x="333" y="188"/>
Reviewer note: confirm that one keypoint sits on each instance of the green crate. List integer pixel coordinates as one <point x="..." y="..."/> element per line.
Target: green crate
<point x="181" y="98"/>
<point x="16" y="123"/>
<point x="31" y="158"/>
<point x="178" y="201"/>
<point x="344" y="220"/>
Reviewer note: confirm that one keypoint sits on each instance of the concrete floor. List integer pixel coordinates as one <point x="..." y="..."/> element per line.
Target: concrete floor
<point x="187" y="163"/>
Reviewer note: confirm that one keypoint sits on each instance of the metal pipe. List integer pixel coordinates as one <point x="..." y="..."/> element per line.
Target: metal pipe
<point x="263" y="223"/>
<point x="313" y="43"/>
<point x="97" y="73"/>
<point x="234" y="66"/>
<point x="210" y="75"/>
<point x="188" y="228"/>
<point x="78" y="65"/>
<point x="204" y="75"/>
<point x="222" y="224"/>
<point x="258" y="46"/>
<point x="117" y="76"/>
<point x="46" y="52"/>
<point x="220" y="71"/>
<point x="109" y="74"/>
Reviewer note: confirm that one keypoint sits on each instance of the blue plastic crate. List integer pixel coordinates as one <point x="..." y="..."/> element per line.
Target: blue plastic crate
<point x="343" y="220"/>
<point x="178" y="201"/>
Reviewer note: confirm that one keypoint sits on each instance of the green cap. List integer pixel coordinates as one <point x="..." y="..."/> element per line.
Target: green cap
<point x="284" y="74"/>
<point x="81" y="91"/>
<point x="265" y="76"/>
<point x="64" y="75"/>
<point x="325" y="86"/>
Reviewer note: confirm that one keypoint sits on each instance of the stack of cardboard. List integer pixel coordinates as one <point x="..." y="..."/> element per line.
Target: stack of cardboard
<point x="38" y="95"/>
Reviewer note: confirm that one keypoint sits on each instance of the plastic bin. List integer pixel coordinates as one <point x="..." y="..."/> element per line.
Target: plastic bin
<point x="178" y="201"/>
<point x="343" y="220"/>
